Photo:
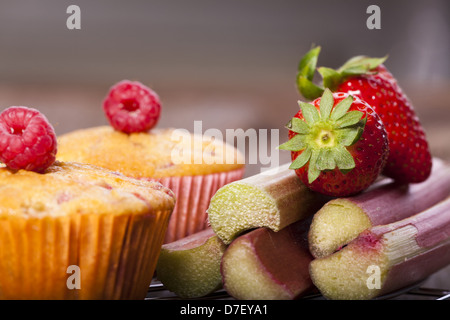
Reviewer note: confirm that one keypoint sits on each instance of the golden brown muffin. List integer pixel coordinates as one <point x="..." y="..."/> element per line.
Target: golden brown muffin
<point x="108" y="225"/>
<point x="157" y="154"/>
<point x="193" y="166"/>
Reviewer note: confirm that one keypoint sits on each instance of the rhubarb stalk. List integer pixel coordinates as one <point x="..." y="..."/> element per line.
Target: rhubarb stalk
<point x="267" y="265"/>
<point x="341" y="220"/>
<point x="272" y="199"/>
<point x="387" y="257"/>
<point x="190" y="267"/>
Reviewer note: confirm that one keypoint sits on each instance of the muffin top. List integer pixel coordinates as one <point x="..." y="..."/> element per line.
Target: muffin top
<point x="155" y="154"/>
<point x="68" y="188"/>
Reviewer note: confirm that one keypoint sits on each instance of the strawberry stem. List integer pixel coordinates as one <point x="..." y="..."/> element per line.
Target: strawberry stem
<point x="358" y="65"/>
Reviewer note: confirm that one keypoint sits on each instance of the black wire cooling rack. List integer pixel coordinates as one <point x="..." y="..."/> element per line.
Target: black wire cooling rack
<point x="157" y="291"/>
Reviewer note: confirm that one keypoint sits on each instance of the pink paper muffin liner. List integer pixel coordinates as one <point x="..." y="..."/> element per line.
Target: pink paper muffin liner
<point x="193" y="194"/>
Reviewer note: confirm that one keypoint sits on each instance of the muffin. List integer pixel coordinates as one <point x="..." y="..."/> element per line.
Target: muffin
<point x="108" y="226"/>
<point x="193" y="166"/>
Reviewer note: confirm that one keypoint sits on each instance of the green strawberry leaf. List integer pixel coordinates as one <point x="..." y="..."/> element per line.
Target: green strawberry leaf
<point x="298" y="126"/>
<point x="309" y="112"/>
<point x="313" y="170"/>
<point x="349" y="136"/>
<point x="343" y="158"/>
<point x="349" y="119"/>
<point x="323" y="135"/>
<point x="296" y="143"/>
<point x="354" y="71"/>
<point x="305" y="75"/>
<point x="325" y="160"/>
<point x="307" y="65"/>
<point x="341" y="108"/>
<point x="331" y="78"/>
<point x="361" y="63"/>
<point x="301" y="160"/>
<point x="326" y="104"/>
<point x="307" y="88"/>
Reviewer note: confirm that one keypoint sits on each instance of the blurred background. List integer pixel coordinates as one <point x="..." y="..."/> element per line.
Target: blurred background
<point x="231" y="64"/>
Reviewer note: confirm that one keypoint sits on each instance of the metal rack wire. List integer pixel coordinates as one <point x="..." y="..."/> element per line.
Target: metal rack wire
<point x="157" y="291"/>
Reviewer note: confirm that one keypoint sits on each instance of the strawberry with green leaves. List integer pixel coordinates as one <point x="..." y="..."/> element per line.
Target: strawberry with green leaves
<point x="409" y="160"/>
<point x="338" y="144"/>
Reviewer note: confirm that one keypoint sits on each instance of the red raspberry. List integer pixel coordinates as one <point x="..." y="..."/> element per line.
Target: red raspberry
<point x="27" y="139"/>
<point x="132" y="107"/>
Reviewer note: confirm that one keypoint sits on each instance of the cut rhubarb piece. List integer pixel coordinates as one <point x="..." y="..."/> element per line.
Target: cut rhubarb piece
<point x="190" y="267"/>
<point x="341" y="220"/>
<point x="272" y="199"/>
<point x="267" y="265"/>
<point x="388" y="257"/>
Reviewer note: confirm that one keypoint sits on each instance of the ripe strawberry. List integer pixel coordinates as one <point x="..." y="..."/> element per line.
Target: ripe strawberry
<point x="409" y="160"/>
<point x="338" y="144"/>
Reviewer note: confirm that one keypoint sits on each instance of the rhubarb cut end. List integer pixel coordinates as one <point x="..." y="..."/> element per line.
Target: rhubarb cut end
<point x="334" y="225"/>
<point x="238" y="207"/>
<point x="194" y="271"/>
<point x="244" y="278"/>
<point x="190" y="242"/>
<point x="350" y="274"/>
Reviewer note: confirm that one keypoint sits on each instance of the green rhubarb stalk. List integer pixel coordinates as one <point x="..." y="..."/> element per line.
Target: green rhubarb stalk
<point x="388" y="257"/>
<point x="272" y="199"/>
<point x="190" y="267"/>
<point x="267" y="265"/>
<point x="341" y="220"/>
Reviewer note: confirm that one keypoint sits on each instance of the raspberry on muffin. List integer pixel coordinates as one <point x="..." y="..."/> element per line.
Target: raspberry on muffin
<point x="133" y="146"/>
<point x="131" y="106"/>
<point x="54" y="215"/>
<point x="27" y="139"/>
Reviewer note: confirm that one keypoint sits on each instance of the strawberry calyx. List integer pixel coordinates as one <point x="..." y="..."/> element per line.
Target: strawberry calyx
<point x="331" y="78"/>
<point x="305" y="74"/>
<point x="323" y="135"/>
